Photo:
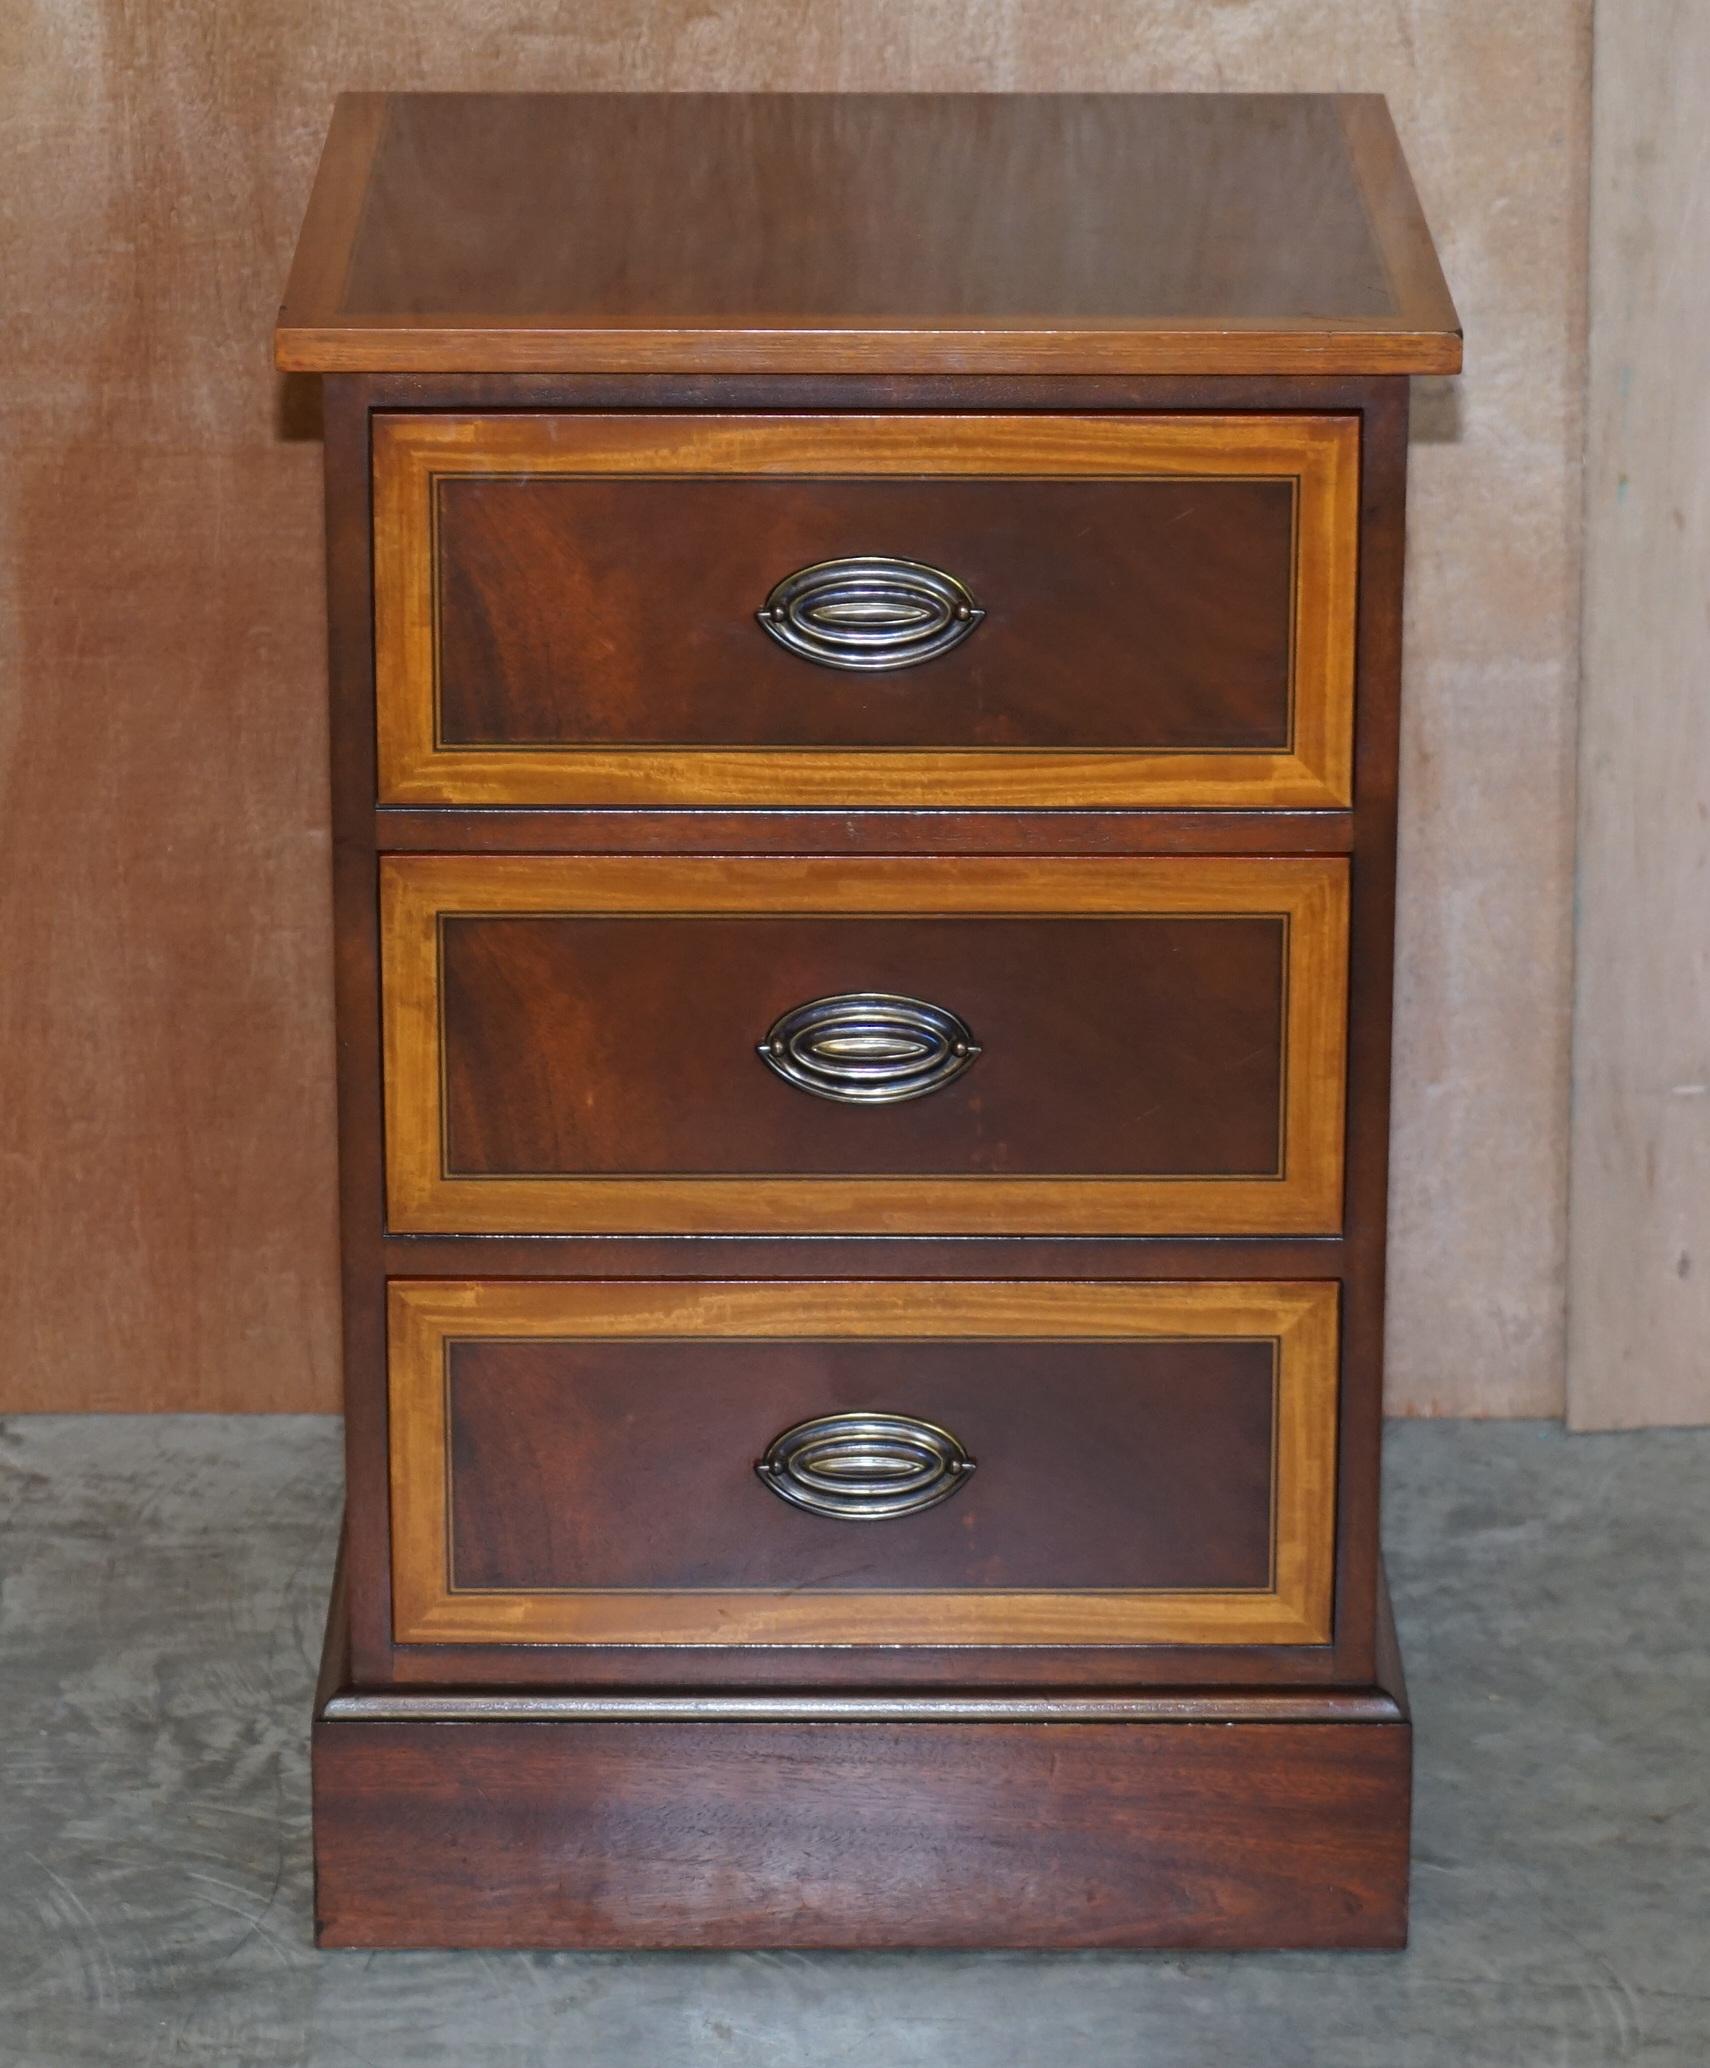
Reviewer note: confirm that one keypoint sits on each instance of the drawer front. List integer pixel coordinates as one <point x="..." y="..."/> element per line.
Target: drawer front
<point x="584" y="609"/>
<point x="965" y="1464"/>
<point x="581" y="1044"/>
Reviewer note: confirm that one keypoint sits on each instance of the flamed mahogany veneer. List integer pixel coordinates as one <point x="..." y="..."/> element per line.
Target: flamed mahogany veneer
<point x="865" y="637"/>
<point x="554" y="624"/>
<point x="512" y="984"/>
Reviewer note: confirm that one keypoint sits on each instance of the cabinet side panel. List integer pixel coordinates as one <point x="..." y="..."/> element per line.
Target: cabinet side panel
<point x="357" y="1003"/>
<point x="1383" y="494"/>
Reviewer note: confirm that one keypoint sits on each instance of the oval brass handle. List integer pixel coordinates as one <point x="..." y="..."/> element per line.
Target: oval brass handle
<point x="870" y="613"/>
<point x="869" y="1048"/>
<point x="863" y="1468"/>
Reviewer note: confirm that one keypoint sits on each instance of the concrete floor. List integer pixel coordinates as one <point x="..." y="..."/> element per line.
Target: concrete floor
<point x="164" y="1584"/>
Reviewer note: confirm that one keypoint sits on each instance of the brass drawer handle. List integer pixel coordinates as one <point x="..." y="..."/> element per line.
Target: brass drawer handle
<point x="870" y="613"/>
<point x="863" y="1468"/>
<point x="869" y="1048"/>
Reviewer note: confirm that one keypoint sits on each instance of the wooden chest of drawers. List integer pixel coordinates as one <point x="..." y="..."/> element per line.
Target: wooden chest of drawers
<point x="865" y="647"/>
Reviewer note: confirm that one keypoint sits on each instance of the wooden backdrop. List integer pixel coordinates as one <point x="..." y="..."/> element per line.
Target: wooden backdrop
<point x="165" y="1068"/>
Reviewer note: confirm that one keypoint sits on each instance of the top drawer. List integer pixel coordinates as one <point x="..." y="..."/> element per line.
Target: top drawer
<point x="1018" y="611"/>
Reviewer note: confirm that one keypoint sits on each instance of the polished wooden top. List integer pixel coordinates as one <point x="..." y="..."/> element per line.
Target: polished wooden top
<point x="899" y="233"/>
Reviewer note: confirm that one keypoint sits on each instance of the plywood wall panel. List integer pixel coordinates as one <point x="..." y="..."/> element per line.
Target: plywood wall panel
<point x="1639" y="1309"/>
<point x="165" y="1102"/>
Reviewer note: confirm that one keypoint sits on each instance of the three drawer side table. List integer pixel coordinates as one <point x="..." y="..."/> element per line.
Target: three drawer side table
<point x="865" y="649"/>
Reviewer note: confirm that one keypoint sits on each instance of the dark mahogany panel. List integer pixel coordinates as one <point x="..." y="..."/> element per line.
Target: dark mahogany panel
<point x="786" y="210"/>
<point x="1131" y="1046"/>
<point x="1134" y="613"/>
<point x="1097" y="1465"/>
<point x="909" y="1834"/>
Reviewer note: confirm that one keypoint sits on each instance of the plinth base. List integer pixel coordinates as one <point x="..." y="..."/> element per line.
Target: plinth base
<point x="1273" y="1819"/>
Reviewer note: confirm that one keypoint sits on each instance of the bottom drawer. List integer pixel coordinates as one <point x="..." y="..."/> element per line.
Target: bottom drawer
<point x="878" y="1464"/>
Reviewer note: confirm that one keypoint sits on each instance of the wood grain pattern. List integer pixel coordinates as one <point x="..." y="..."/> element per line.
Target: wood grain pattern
<point x="620" y="610"/>
<point x="418" y="766"/>
<point x="425" y="1316"/>
<point x="1116" y="1047"/>
<point x="842" y="243"/>
<point x="1639" y="1258"/>
<point x="420" y="892"/>
<point x="1219" y="1835"/>
<point x="577" y="1465"/>
<point x="1165" y="349"/>
<point x="1227" y="1816"/>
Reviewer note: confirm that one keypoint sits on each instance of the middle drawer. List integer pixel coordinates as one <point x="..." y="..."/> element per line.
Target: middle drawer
<point x="975" y="1045"/>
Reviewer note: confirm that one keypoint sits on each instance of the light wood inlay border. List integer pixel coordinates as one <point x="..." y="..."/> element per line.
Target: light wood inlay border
<point x="1309" y="892"/>
<point x="1301" y="1319"/>
<point x="1320" y="454"/>
<point x="1238" y="345"/>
